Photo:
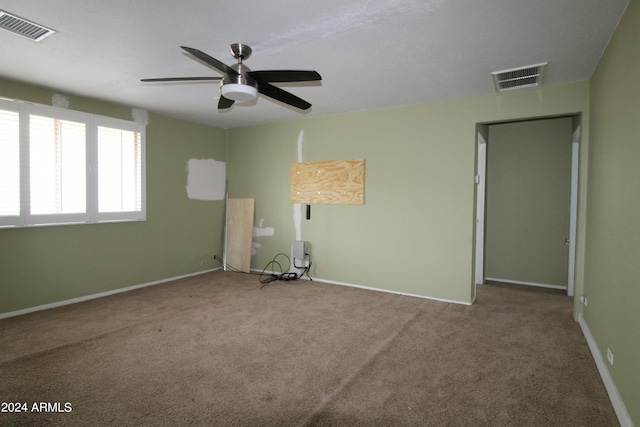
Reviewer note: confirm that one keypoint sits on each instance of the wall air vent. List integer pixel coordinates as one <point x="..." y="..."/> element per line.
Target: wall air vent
<point x="519" y="78"/>
<point x="24" y="28"/>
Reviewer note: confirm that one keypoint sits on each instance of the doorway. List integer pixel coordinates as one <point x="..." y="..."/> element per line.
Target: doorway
<point x="526" y="200"/>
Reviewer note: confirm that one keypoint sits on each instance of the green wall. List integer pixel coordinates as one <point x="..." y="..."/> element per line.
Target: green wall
<point x="43" y="265"/>
<point x="612" y="271"/>
<point x="415" y="231"/>
<point x="528" y="201"/>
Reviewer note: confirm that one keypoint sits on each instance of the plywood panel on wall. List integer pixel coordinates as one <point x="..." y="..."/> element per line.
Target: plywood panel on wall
<point x="339" y="182"/>
<point x="239" y="233"/>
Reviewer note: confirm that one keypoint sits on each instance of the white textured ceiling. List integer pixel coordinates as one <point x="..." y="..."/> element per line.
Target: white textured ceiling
<point x="371" y="53"/>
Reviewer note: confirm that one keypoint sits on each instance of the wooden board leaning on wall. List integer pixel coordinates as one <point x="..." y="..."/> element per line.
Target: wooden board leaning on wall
<point x="239" y="233"/>
<point x="338" y="182"/>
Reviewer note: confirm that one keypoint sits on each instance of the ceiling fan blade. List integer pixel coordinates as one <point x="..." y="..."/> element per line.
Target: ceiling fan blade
<point x="182" y="79"/>
<point x="221" y="66"/>
<point x="282" y="95"/>
<point x="225" y="103"/>
<point x="285" y="76"/>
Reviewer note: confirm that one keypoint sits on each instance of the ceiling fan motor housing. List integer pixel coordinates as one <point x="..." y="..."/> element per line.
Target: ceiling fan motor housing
<point x="240" y="87"/>
<point x="240" y="51"/>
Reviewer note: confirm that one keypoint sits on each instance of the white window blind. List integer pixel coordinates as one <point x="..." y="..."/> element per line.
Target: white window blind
<point x="9" y="163"/>
<point x="119" y="170"/>
<point x="59" y="166"/>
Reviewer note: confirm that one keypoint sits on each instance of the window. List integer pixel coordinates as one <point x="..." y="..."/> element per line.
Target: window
<point x="119" y="170"/>
<point x="9" y="164"/>
<point x="59" y="166"/>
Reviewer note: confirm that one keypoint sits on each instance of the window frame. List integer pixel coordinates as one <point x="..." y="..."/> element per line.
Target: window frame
<point x="91" y="122"/>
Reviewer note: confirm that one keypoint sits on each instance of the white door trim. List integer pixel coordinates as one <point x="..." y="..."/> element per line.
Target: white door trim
<point x="480" y="201"/>
<point x="573" y="209"/>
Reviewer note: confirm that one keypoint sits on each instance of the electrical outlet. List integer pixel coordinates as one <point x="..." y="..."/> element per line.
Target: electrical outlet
<point x="323" y="264"/>
<point x="610" y="356"/>
<point x="583" y="300"/>
<point x="204" y="262"/>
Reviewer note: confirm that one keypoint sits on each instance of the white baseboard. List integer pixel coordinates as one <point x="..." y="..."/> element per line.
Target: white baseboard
<point x="517" y="282"/>
<point x="351" y="285"/>
<point x="98" y="295"/>
<point x="612" y="390"/>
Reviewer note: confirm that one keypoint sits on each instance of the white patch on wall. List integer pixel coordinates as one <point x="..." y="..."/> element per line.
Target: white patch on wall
<point x="206" y="179"/>
<point x="300" y="141"/>
<point x="60" y="101"/>
<point x="261" y="231"/>
<point x="297" y="207"/>
<point x="254" y="248"/>
<point x="140" y="116"/>
<point x="297" y="220"/>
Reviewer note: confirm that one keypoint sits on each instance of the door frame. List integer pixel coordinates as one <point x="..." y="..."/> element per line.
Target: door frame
<point x="480" y="180"/>
<point x="480" y="224"/>
<point x="573" y="209"/>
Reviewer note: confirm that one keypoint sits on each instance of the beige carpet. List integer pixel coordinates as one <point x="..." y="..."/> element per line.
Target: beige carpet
<point x="217" y="350"/>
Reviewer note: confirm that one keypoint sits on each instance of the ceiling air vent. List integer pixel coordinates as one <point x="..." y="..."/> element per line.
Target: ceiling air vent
<point x="24" y="28"/>
<point x="519" y="78"/>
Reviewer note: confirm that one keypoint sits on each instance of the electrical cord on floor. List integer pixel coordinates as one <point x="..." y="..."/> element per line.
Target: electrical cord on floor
<point x="282" y="275"/>
<point x="305" y="268"/>
<point x="272" y="275"/>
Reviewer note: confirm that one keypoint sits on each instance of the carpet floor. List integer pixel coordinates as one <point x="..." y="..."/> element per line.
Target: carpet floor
<point x="215" y="349"/>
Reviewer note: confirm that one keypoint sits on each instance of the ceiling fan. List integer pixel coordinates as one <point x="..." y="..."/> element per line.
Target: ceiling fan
<point x="241" y="84"/>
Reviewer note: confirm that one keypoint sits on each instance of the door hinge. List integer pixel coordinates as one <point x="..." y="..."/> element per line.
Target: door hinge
<point x="476" y="179"/>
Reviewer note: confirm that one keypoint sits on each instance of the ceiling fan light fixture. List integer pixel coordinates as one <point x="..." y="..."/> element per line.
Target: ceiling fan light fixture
<point x="239" y="92"/>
